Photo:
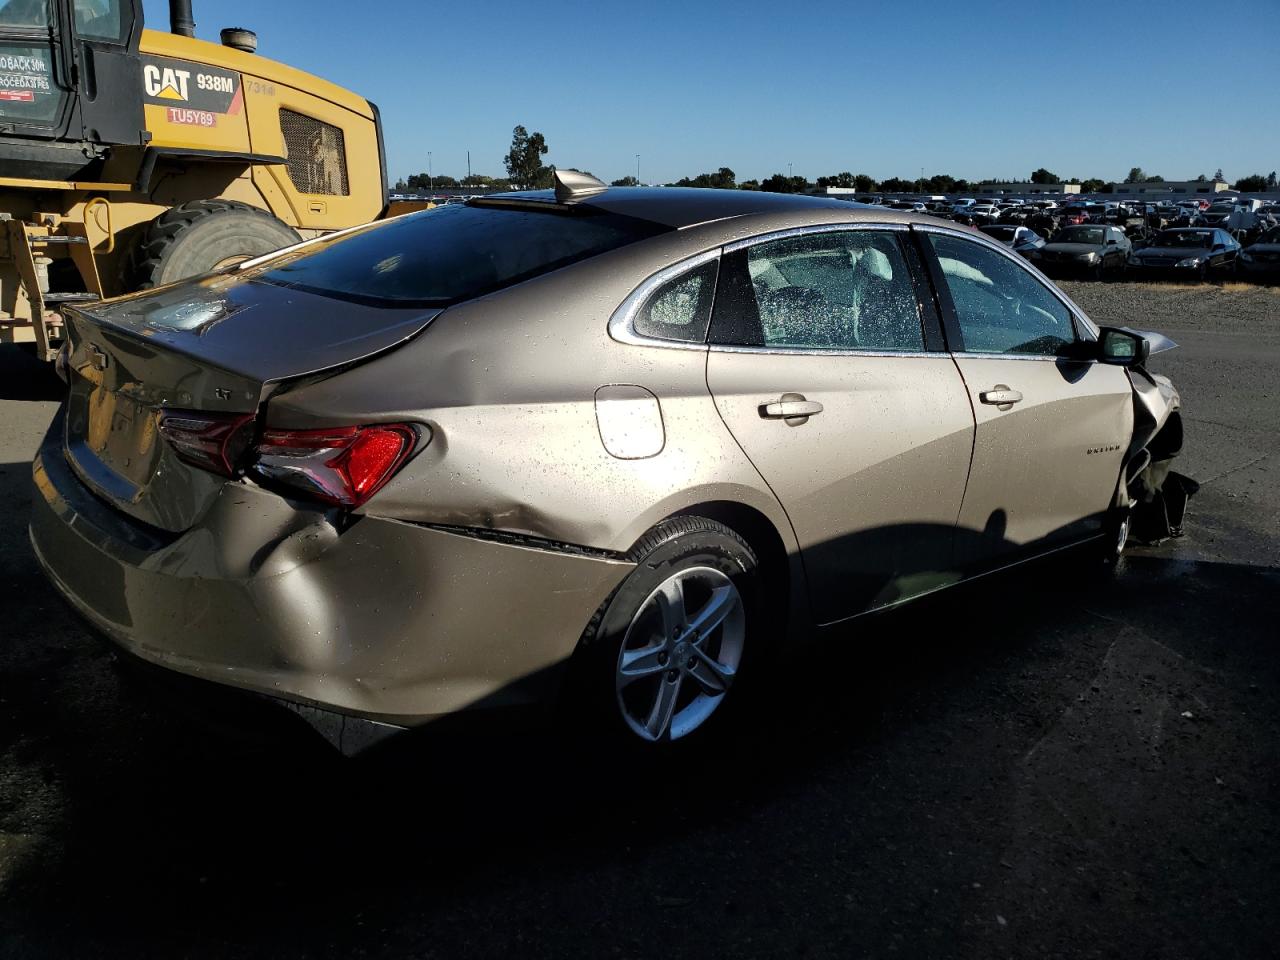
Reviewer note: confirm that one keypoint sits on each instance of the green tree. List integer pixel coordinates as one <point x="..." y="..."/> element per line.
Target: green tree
<point x="1202" y="179"/>
<point x="940" y="183"/>
<point x="749" y="185"/>
<point x="898" y="185"/>
<point x="627" y="181"/>
<point x="1218" y="177"/>
<point x="1254" y="183"/>
<point x="722" y="179"/>
<point x="1136" y="175"/>
<point x="961" y="186"/>
<point x="780" y="183"/>
<point x="845" y="179"/>
<point x="524" y="160"/>
<point x="1044" y="176"/>
<point x="864" y="183"/>
<point x="1271" y="180"/>
<point x="1092" y="185"/>
<point x="1154" y="178"/>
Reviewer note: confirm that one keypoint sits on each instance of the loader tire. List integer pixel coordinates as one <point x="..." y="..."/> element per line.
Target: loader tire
<point x="198" y="237"/>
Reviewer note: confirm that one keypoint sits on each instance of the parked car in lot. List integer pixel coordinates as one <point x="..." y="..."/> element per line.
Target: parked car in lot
<point x="983" y="212"/>
<point x="1261" y="260"/>
<point x="1188" y="253"/>
<point x="1219" y="213"/>
<point x="1020" y="239"/>
<point x="1092" y="250"/>
<point x="625" y="440"/>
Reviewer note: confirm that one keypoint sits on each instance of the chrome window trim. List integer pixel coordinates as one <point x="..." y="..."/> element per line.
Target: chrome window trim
<point x="977" y="355"/>
<point x="819" y="352"/>
<point x="622" y="323"/>
<point x="813" y="228"/>
<point x="1089" y="330"/>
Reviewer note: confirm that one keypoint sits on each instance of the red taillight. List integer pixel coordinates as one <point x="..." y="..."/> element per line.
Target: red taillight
<point x="213" y="441"/>
<point x="344" y="466"/>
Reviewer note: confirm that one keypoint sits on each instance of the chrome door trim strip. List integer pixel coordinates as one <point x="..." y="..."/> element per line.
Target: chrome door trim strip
<point x="978" y="355"/>
<point x="819" y="352"/>
<point x="814" y="228"/>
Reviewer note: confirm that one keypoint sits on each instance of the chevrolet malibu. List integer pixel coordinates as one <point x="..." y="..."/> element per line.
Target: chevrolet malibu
<point x="616" y="445"/>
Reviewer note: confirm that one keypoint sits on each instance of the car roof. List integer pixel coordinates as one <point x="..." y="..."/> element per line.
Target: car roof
<point x="682" y="207"/>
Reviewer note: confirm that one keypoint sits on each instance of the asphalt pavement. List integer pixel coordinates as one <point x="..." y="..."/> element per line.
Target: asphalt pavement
<point x="1049" y="764"/>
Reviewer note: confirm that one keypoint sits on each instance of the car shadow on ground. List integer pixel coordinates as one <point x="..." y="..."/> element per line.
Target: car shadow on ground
<point x="23" y="377"/>
<point x="974" y="775"/>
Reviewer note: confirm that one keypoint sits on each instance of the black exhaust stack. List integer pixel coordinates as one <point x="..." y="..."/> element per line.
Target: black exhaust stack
<point x="180" y="21"/>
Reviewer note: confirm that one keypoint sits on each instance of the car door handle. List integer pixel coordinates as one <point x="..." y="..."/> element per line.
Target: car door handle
<point x="1000" y="395"/>
<point x="791" y="407"/>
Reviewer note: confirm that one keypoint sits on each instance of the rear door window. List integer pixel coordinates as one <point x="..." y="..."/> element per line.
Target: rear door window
<point x="454" y="253"/>
<point x="828" y="291"/>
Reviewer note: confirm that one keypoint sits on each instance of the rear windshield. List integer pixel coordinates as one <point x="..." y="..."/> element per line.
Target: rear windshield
<point x="454" y="252"/>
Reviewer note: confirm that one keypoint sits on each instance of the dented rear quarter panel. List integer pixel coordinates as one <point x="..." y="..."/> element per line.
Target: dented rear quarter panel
<point x="507" y="383"/>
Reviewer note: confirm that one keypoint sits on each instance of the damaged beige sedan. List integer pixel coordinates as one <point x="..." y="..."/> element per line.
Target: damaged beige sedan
<point x="427" y="465"/>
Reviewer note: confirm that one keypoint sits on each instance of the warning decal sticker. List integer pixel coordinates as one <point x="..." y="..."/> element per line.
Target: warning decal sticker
<point x="27" y="91"/>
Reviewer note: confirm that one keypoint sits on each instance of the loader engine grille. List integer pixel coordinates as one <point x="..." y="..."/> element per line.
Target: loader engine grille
<point x="317" y="155"/>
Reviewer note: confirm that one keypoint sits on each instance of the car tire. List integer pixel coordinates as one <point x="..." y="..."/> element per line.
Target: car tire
<point x="645" y="674"/>
<point x="195" y="238"/>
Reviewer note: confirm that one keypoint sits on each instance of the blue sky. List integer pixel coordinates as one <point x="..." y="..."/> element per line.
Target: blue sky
<point x="981" y="88"/>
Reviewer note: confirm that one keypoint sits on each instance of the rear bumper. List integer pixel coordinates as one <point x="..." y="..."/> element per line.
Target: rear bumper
<point x="384" y="620"/>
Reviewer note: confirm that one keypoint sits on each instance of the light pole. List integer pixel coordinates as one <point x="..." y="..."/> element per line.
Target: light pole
<point x="788" y="171"/>
<point x="637" y="169"/>
<point x="431" y="180"/>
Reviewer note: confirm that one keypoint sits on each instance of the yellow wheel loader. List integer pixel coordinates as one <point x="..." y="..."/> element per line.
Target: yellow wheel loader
<point x="131" y="158"/>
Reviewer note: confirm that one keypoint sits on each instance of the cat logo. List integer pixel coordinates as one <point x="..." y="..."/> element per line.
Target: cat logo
<point x="165" y="83"/>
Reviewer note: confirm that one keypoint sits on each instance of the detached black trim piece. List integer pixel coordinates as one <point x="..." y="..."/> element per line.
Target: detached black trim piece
<point x="382" y="160"/>
<point x="154" y="154"/>
<point x="524" y="540"/>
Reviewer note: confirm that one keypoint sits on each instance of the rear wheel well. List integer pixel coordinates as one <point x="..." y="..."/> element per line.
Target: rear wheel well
<point x="764" y="539"/>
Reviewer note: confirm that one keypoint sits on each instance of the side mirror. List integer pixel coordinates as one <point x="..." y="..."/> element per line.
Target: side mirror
<point x="1124" y="348"/>
<point x="1219" y="246"/>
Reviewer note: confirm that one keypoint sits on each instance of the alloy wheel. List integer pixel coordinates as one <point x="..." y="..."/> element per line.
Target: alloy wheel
<point x="681" y="654"/>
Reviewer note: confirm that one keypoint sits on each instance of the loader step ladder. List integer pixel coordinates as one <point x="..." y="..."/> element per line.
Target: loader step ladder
<point x="33" y="247"/>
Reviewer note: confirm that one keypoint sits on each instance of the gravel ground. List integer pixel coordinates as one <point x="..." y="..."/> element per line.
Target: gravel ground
<point x="1045" y="765"/>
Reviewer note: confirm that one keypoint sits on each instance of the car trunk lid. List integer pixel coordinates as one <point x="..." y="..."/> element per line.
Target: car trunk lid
<point x="219" y="346"/>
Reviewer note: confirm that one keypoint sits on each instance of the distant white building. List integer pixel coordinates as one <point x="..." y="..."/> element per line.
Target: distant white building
<point x="1169" y="188"/>
<point x="1025" y="189"/>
